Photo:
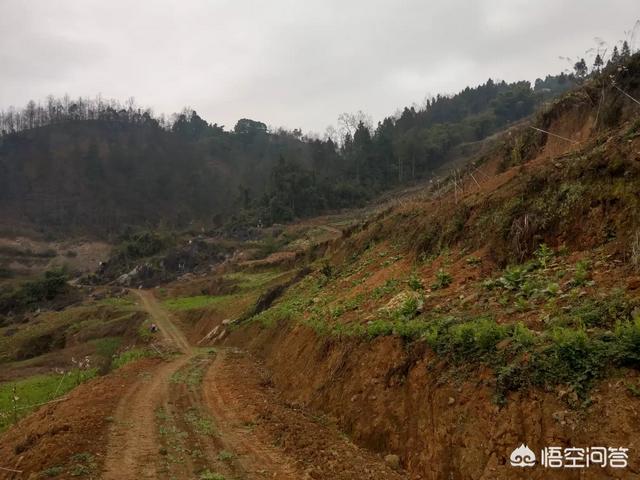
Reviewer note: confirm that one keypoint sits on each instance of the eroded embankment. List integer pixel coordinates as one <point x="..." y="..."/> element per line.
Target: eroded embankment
<point x="443" y="425"/>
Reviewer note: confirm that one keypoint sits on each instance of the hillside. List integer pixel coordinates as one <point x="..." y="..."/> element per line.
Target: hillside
<point x="93" y="167"/>
<point x="497" y="310"/>
<point x="101" y="176"/>
<point x="426" y="336"/>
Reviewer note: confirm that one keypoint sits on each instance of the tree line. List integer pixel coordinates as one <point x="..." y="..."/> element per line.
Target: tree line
<point x="60" y="110"/>
<point x="582" y="70"/>
<point x="252" y="175"/>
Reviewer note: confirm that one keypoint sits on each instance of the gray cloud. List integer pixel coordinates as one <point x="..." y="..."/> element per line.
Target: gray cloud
<point x="286" y="62"/>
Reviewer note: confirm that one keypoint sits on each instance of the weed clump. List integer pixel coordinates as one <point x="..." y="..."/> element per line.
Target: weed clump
<point x="443" y="280"/>
<point x="415" y="283"/>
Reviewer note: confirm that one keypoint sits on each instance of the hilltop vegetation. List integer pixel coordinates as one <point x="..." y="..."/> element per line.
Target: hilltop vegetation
<point x="94" y="166"/>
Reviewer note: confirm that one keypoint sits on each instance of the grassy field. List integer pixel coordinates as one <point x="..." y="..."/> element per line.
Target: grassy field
<point x="197" y="302"/>
<point x="17" y="399"/>
<point x="250" y="286"/>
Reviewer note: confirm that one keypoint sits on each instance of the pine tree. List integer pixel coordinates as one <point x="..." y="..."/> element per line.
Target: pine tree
<point x="615" y="56"/>
<point x="597" y="64"/>
<point x="626" y="51"/>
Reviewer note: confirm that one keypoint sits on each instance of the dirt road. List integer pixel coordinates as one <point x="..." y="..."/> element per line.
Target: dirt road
<point x="133" y="447"/>
<point x="213" y="414"/>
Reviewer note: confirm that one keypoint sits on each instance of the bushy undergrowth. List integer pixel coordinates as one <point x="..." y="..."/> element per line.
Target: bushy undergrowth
<point x="143" y="244"/>
<point x="30" y="293"/>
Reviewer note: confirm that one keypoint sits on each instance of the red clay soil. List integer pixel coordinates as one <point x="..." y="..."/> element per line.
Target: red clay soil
<point x="197" y="414"/>
<point x="132" y="448"/>
<point x="132" y="451"/>
<point x="53" y="434"/>
<point x="395" y="400"/>
<point x="277" y="439"/>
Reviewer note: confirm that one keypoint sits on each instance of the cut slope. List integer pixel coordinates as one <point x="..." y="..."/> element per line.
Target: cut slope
<point x="488" y="311"/>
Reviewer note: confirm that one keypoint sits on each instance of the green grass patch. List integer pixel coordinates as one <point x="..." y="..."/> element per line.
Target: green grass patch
<point x="107" y="347"/>
<point x="131" y="355"/>
<point x="25" y="394"/>
<point x="198" y="302"/>
<point x="582" y="339"/>
<point x="288" y="309"/>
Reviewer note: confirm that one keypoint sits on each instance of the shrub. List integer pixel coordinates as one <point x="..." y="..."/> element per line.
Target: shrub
<point x="225" y="456"/>
<point x="476" y="338"/>
<point x="443" y="280"/>
<point x="522" y="337"/>
<point x="379" y="328"/>
<point x="52" y="472"/>
<point x="603" y="312"/>
<point x="143" y="244"/>
<point x="581" y="275"/>
<point x="389" y="286"/>
<point x="47" y="287"/>
<point x="573" y="358"/>
<point x="326" y="270"/>
<point x="513" y="277"/>
<point x="627" y="336"/>
<point x="544" y="255"/>
<point x="415" y="283"/>
<point x="409" y="308"/>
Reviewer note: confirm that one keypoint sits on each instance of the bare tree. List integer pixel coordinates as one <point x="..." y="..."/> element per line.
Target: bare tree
<point x="348" y="123"/>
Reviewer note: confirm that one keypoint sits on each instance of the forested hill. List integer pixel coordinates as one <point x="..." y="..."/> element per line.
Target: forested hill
<point x="99" y="167"/>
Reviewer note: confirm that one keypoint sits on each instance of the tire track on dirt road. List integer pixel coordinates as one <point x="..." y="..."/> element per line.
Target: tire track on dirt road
<point x="212" y="412"/>
<point x="132" y="451"/>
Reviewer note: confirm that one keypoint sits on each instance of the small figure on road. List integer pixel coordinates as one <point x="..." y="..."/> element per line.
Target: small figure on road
<point x="153" y="328"/>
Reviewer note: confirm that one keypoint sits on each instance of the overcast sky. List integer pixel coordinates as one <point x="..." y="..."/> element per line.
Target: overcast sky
<point x="290" y="63"/>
